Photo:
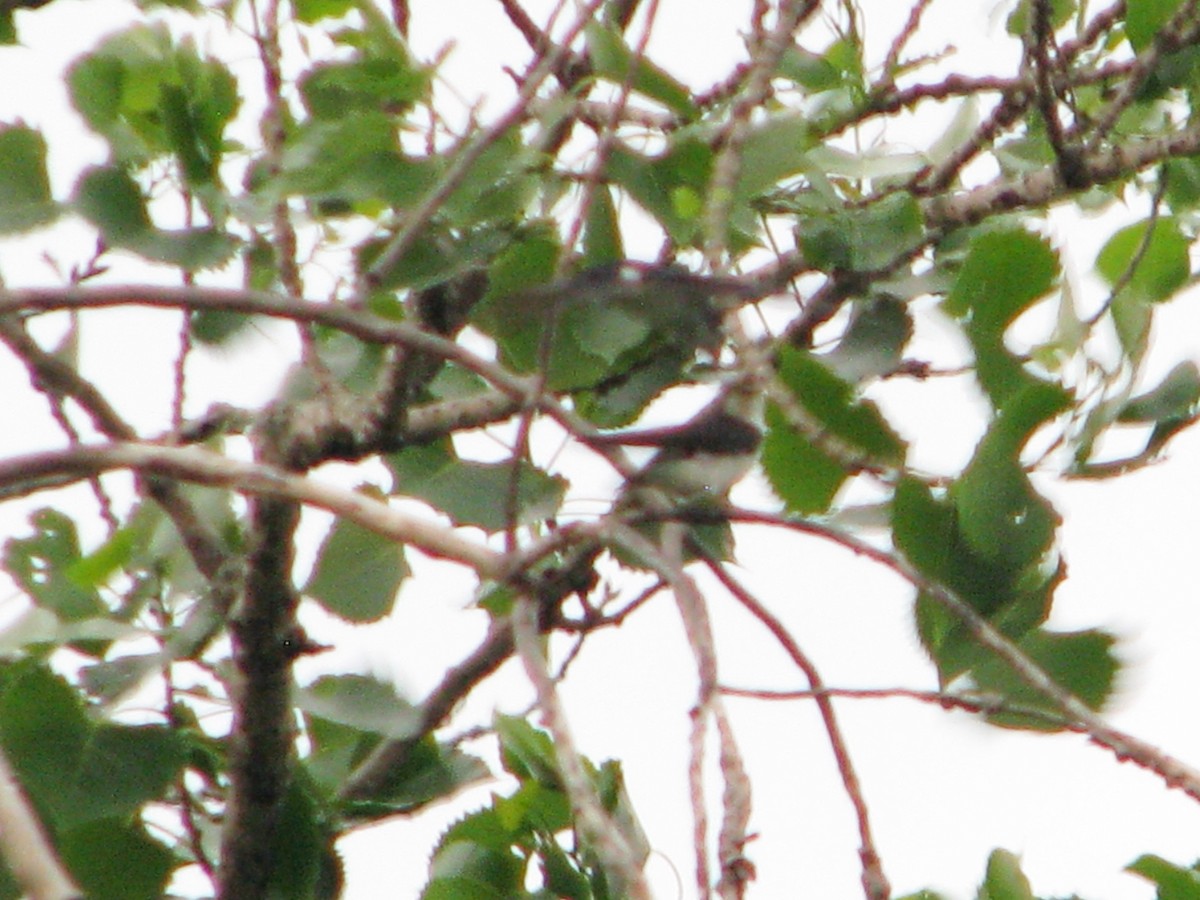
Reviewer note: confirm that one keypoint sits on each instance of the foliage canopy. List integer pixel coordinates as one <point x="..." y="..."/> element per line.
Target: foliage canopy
<point x="543" y="274"/>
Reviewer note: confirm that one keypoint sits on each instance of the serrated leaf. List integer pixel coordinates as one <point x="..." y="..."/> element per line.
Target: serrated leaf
<point x="1149" y="260"/>
<point x="25" y="200"/>
<point x="357" y="573"/>
<point x="527" y="752"/>
<point x="464" y="870"/>
<point x="1003" y="274"/>
<point x="1080" y="662"/>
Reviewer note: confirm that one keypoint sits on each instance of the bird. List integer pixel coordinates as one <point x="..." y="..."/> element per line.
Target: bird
<point x="696" y="462"/>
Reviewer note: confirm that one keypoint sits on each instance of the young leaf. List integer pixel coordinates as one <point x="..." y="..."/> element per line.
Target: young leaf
<point x="1004" y="879"/>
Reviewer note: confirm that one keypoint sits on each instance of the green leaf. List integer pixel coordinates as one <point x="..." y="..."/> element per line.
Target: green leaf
<point x="1060" y="13"/>
<point x="1151" y="263"/>
<point x="41" y="564"/>
<point x="312" y="11"/>
<point x="361" y="703"/>
<point x="802" y="475"/>
<point x="1004" y="879"/>
<point x="1003" y="274"/>
<point x="873" y="343"/>
<point x="464" y="870"/>
<point x="110" y="199"/>
<point x="477" y="494"/>
<point x="1175" y="397"/>
<point x="611" y="59"/>
<point x="136" y="764"/>
<point x="1000" y="515"/>
<point x="1080" y="662"/>
<point x="602" y="242"/>
<point x="527" y="752"/>
<point x="148" y="96"/>
<point x="862" y="240"/>
<point x="837" y="410"/>
<point x="1173" y="882"/>
<point x="357" y="573"/>
<point x="25" y="200"/>
<point x="1143" y="19"/>
<point x="655" y="183"/>
<point x="371" y="84"/>
<point x="116" y="859"/>
<point x="772" y="151"/>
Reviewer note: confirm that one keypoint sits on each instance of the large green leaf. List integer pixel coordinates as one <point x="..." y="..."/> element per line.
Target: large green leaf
<point x="1003" y="274"/>
<point x="60" y="756"/>
<point x="116" y="859"/>
<point x="1080" y="662"/>
<point x="804" y="477"/>
<point x="25" y="200"/>
<point x="148" y="95"/>
<point x="1143" y="19"/>
<point x="357" y="573"/>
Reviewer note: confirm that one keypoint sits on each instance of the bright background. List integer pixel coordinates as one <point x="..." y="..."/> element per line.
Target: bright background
<point x="942" y="788"/>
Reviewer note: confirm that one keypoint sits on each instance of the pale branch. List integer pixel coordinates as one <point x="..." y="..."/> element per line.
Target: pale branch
<point x="610" y="843"/>
<point x="1173" y="772"/>
<point x="1044" y="187"/>
<point x="667" y="560"/>
<point x="874" y="881"/>
<point x="200" y="466"/>
<point x="25" y="848"/>
<point x="750" y="98"/>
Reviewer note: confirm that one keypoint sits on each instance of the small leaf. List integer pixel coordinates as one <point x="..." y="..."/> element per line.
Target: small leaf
<point x="527" y="752"/>
<point x="25" y="200"/>
<point x="863" y="240"/>
<point x="1151" y="269"/>
<point x="873" y="342"/>
<point x="1005" y="880"/>
<point x="357" y="573"/>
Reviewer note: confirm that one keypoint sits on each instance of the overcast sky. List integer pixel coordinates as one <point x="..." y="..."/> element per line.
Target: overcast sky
<point x="943" y="789"/>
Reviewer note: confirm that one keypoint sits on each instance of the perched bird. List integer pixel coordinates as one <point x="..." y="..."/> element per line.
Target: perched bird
<point x="698" y="460"/>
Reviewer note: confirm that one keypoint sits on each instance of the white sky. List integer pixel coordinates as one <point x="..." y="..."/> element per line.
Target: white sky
<point x="943" y="790"/>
